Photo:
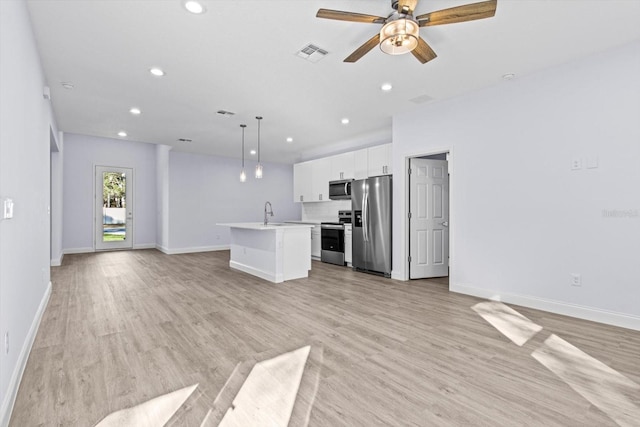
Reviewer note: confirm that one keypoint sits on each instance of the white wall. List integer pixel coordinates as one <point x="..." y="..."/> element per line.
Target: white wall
<point x="57" y="171"/>
<point x="522" y="221"/>
<point x="205" y="190"/>
<point x="162" y="195"/>
<point x="81" y="154"/>
<point x="25" y="122"/>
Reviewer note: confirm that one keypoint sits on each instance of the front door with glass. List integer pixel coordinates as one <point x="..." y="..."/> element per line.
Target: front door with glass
<point x="114" y="208"/>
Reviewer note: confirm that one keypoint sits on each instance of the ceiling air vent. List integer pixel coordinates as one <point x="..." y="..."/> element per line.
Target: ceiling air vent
<point x="312" y="53"/>
<point x="185" y="140"/>
<point x="226" y="113"/>
<point x="421" y="99"/>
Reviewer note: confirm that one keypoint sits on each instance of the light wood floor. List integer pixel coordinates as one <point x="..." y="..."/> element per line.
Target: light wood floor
<point x="124" y="327"/>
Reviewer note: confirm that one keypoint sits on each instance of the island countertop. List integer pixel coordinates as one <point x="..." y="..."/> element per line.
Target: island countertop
<point x="261" y="226"/>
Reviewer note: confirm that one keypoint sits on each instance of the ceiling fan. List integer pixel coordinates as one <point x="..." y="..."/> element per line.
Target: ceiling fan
<point x="400" y="30"/>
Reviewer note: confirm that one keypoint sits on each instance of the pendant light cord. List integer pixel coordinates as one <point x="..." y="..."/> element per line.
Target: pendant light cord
<point x="243" y="126"/>
<point x="258" y="118"/>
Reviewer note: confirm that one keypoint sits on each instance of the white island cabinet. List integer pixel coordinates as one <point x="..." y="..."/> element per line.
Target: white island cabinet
<point x="274" y="252"/>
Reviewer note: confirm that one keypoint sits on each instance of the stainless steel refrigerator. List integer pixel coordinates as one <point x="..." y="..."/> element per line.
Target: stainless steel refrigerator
<point x="371" y="216"/>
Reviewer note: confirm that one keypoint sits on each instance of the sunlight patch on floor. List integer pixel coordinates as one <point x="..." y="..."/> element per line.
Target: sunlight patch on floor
<point x="268" y="394"/>
<point x="152" y="413"/>
<point x="509" y="322"/>
<point x="604" y="387"/>
<point x="607" y="389"/>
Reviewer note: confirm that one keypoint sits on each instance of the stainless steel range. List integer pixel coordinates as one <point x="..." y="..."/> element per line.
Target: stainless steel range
<point x="332" y="236"/>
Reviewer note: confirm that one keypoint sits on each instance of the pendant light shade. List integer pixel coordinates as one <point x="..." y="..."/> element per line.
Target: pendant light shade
<point x="243" y="175"/>
<point x="259" y="165"/>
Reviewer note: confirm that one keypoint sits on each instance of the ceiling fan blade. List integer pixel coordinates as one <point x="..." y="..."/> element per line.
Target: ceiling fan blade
<point x="469" y="12"/>
<point x="365" y="48"/>
<point x="349" y="16"/>
<point x="407" y="6"/>
<point x="423" y="51"/>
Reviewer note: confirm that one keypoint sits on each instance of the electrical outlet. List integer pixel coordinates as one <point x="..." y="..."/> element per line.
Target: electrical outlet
<point x="7" y="209"/>
<point x="6" y="342"/>
<point x="576" y="279"/>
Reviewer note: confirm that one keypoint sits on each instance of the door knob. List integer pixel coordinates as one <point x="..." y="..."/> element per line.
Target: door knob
<point x="446" y="223"/>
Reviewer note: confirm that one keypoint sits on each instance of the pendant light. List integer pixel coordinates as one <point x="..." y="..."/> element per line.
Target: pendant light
<point x="243" y="175"/>
<point x="259" y="165"/>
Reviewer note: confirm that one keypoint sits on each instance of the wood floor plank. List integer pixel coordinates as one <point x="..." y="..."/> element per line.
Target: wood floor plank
<point x="122" y="328"/>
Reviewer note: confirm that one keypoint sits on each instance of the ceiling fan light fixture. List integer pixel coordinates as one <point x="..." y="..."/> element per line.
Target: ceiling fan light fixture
<point x="399" y="35"/>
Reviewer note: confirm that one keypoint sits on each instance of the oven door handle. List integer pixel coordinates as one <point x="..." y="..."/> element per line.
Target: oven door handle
<point x="332" y="227"/>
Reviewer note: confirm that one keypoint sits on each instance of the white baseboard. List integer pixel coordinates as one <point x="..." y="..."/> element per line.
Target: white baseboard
<point x="77" y="251"/>
<point x="193" y="249"/>
<point x="581" y="312"/>
<point x="145" y="246"/>
<point x="266" y="275"/>
<point x="396" y="276"/>
<point x="57" y="262"/>
<point x="16" y="376"/>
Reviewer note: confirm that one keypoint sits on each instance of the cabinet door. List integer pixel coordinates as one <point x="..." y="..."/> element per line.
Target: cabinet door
<point x="379" y="159"/>
<point x="316" y="242"/>
<point x="342" y="166"/>
<point x="302" y="191"/>
<point x="321" y="172"/>
<point x="348" y="239"/>
<point x="361" y="164"/>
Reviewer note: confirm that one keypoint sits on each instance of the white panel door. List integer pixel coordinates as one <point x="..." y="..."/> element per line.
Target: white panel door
<point x="113" y="208"/>
<point x="429" y="219"/>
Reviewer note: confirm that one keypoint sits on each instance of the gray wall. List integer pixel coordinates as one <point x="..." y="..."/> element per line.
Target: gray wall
<point x="179" y="197"/>
<point x="25" y="124"/>
<point x="522" y="221"/>
<point x="205" y="190"/>
<point x="81" y="154"/>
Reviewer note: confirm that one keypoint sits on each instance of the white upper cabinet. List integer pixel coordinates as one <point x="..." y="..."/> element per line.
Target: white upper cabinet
<point x="342" y="166"/>
<point x="379" y="160"/>
<point x="311" y="179"/>
<point x="360" y="164"/>
<point x="320" y="176"/>
<point x="302" y="191"/>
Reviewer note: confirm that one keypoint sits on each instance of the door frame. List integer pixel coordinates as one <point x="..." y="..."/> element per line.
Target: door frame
<point x="131" y="193"/>
<point x="406" y="207"/>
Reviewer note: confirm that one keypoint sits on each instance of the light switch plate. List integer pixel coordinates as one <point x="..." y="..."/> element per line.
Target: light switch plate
<point x="576" y="164"/>
<point x="592" y="162"/>
<point x="7" y="209"/>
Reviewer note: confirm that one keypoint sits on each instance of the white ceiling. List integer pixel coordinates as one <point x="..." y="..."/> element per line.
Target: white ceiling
<point x="240" y="56"/>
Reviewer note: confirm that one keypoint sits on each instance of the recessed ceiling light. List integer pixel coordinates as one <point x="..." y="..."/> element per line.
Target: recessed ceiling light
<point x="252" y="152"/>
<point x="345" y="121"/>
<point x="508" y="76"/>
<point x="156" y="71"/>
<point x="386" y="87"/>
<point x="135" y="111"/>
<point x="122" y="134"/>
<point x="194" y="7"/>
<point x="67" y="85"/>
<point x="289" y="139"/>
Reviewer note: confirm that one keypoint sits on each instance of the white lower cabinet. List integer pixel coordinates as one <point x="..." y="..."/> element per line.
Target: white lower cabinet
<point x="348" y="239"/>
<point x="316" y="242"/>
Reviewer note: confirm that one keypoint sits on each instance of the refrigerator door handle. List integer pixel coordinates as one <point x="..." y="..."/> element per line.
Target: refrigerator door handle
<point x="365" y="216"/>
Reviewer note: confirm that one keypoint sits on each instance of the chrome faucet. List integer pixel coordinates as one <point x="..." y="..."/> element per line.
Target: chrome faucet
<point x="267" y="212"/>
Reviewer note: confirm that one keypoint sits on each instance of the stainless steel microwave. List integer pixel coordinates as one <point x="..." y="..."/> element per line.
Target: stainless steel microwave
<point x="340" y="190"/>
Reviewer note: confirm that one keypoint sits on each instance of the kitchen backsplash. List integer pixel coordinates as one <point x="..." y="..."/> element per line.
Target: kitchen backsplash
<point x="324" y="211"/>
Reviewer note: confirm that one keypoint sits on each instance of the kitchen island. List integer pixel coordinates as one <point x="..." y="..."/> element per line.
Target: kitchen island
<point x="274" y="252"/>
